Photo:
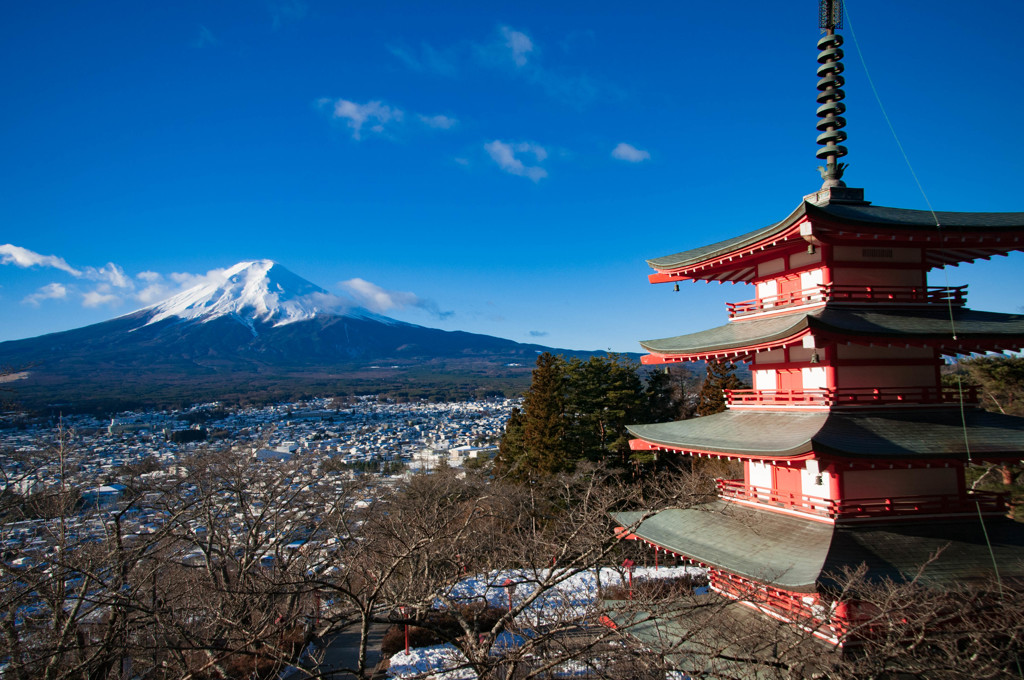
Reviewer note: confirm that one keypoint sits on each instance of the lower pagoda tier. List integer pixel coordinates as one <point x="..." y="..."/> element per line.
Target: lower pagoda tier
<point x="802" y="557"/>
<point x="791" y="568"/>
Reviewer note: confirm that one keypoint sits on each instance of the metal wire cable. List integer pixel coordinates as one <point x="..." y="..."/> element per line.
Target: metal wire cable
<point x="949" y="302"/>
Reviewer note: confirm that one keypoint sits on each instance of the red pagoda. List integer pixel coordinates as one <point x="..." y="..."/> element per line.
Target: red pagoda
<point x="852" y="450"/>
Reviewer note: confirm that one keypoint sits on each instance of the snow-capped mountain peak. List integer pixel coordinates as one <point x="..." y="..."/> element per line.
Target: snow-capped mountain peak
<point x="259" y="291"/>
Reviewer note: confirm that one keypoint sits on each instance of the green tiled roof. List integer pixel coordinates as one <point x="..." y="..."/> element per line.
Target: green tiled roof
<point x="760" y="545"/>
<point x="733" y="335"/>
<point x="853" y="214"/>
<point x="704" y="252"/>
<point x="882" y="435"/>
<point x="767" y="433"/>
<point x="799" y="555"/>
<point x="897" y="551"/>
<point x="908" y="324"/>
<point x="919" y="219"/>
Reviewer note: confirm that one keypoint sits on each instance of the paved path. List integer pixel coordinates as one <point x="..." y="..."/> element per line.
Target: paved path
<point x="343" y="652"/>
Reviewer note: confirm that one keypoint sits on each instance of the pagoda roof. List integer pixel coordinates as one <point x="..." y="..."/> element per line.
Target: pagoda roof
<point x="884" y="436"/>
<point x="973" y="331"/>
<point x="1005" y="232"/>
<point x="801" y="556"/>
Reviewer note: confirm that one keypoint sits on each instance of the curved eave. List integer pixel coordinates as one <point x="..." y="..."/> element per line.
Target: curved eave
<point x="741" y="434"/>
<point x="883" y="217"/>
<point x="714" y="262"/>
<point x="882" y="436"/>
<point x="962" y="237"/>
<point x="969" y="331"/>
<point x="786" y="552"/>
<point x="738" y="340"/>
<point x="802" y="556"/>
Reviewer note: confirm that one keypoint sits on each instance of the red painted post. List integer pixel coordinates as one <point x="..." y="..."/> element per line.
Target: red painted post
<point x="508" y="589"/>
<point x="628" y="565"/>
<point x="402" y="611"/>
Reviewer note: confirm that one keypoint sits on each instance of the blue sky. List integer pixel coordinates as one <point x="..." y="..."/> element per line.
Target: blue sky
<point x="503" y="168"/>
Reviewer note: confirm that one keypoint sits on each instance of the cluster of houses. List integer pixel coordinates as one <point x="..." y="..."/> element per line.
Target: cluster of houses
<point x="94" y="460"/>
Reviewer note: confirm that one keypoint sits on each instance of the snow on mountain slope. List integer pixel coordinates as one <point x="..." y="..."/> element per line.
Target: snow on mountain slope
<point x="256" y="292"/>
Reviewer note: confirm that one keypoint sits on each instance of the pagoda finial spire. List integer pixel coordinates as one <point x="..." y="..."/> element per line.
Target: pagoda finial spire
<point x="830" y="94"/>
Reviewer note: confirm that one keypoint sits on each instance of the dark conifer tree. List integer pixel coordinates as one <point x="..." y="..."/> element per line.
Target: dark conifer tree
<point x="578" y="410"/>
<point x="604" y="395"/>
<point x="544" y="427"/>
<point x="510" y="448"/>
<point x="670" y="395"/>
<point x="720" y="377"/>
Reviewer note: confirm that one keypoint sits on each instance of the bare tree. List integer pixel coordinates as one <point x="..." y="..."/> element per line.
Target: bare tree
<point x="227" y="567"/>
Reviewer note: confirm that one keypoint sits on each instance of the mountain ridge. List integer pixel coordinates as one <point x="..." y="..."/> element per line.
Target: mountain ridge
<point x="250" y="327"/>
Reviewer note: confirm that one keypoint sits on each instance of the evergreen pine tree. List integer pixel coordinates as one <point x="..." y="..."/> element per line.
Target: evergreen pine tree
<point x="510" y="448"/>
<point x="720" y="377"/>
<point x="667" y="393"/>
<point x="544" y="446"/>
<point x="604" y="394"/>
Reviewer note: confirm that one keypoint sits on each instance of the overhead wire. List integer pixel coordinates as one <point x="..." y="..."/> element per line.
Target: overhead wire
<point x="949" y="301"/>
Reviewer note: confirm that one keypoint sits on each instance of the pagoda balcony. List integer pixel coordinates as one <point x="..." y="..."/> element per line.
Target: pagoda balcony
<point x="893" y="295"/>
<point x="987" y="502"/>
<point x="851" y="396"/>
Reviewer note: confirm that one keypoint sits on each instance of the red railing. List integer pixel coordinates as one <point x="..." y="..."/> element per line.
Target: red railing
<point x="736" y="489"/>
<point x="852" y="396"/>
<point x="901" y="295"/>
<point x="989" y="502"/>
<point x="914" y="295"/>
<point x="793" y="299"/>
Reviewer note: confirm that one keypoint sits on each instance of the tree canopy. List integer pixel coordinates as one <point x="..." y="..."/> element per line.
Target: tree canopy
<point x="578" y="410"/>
<point x="720" y="377"/>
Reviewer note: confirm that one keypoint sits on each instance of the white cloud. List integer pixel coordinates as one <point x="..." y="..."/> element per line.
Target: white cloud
<point x="100" y="296"/>
<point x="374" y="113"/>
<point x="628" y="152"/>
<point x="51" y="291"/>
<point x="111" y="274"/>
<point x="159" y="288"/>
<point x="518" y="43"/>
<point x="113" y="284"/>
<point x="24" y="258"/>
<point x="185" y="280"/>
<point x="505" y="155"/>
<point x="439" y="122"/>
<point x="152" y="293"/>
<point x="380" y="300"/>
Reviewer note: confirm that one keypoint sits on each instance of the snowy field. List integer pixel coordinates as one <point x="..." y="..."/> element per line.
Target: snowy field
<point x="573" y="598"/>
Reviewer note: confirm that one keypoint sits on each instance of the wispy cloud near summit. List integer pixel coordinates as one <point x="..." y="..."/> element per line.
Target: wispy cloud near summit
<point x="381" y="301"/>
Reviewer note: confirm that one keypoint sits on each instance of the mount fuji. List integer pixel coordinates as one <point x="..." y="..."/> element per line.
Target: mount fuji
<point x="255" y="293"/>
<point x="257" y="331"/>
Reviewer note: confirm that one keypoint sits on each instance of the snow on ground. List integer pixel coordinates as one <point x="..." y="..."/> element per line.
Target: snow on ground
<point x="574" y="597"/>
<point x="420" y="661"/>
